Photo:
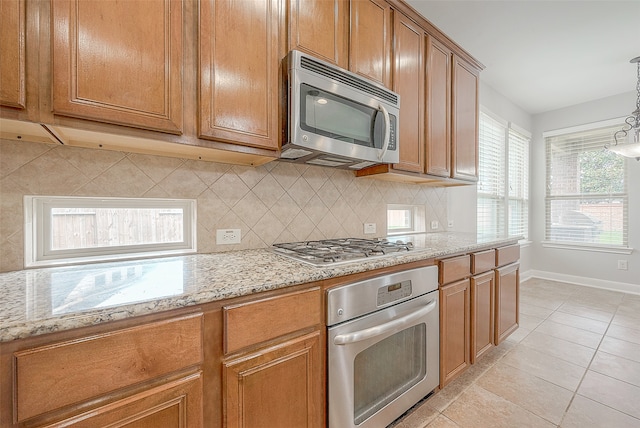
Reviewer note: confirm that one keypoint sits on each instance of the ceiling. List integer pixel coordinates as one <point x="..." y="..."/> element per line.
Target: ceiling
<point x="544" y="55"/>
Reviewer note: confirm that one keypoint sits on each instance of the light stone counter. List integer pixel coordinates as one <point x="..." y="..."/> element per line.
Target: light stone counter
<point x="39" y="301"/>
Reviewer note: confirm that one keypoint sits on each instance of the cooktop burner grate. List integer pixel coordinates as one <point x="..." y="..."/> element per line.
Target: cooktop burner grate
<point x="332" y="251"/>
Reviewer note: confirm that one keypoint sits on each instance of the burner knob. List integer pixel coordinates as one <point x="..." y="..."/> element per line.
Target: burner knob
<point x="340" y="312"/>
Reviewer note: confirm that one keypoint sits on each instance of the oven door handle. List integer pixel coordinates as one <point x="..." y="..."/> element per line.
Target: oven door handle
<point x="396" y="324"/>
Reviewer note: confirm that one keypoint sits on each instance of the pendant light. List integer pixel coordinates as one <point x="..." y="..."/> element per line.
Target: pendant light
<point x="627" y="139"/>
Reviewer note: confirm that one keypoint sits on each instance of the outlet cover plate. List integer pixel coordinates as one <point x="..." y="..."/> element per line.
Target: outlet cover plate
<point x="369" y="228"/>
<point x="227" y="236"/>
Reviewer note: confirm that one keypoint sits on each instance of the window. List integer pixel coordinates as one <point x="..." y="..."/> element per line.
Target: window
<point x="503" y="184"/>
<point x="63" y="230"/>
<point x="586" y="199"/>
<point x="405" y="219"/>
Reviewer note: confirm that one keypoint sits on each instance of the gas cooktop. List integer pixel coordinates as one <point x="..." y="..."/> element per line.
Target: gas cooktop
<point x="329" y="252"/>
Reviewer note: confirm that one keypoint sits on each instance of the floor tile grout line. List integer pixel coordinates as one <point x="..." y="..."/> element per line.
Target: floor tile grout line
<point x="575" y="393"/>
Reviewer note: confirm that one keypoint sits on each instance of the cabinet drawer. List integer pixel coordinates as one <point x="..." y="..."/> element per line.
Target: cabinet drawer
<point x="54" y="376"/>
<point x="506" y="255"/>
<point x="483" y="261"/>
<point x="250" y="323"/>
<point x="454" y="269"/>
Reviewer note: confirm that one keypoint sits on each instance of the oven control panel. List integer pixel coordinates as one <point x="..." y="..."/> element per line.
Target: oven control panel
<point x="391" y="293"/>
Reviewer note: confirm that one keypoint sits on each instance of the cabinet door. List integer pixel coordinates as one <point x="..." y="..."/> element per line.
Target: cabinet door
<point x="482" y="314"/>
<point x="176" y="404"/>
<point x="12" y="46"/>
<point x="409" y="83"/>
<point x="464" y="138"/>
<point x="119" y="62"/>
<point x="239" y="72"/>
<point x="507" y="301"/>
<point x="438" y="111"/>
<point x="454" y="330"/>
<point x="370" y="42"/>
<point x="280" y="386"/>
<point x="320" y="28"/>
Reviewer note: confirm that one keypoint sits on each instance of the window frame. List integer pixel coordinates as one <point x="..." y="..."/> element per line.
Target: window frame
<point x="417" y="213"/>
<point x="38" y="250"/>
<point x="549" y="197"/>
<point x="499" y="193"/>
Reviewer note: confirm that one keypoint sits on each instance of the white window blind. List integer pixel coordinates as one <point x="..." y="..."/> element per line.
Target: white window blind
<point x="491" y="219"/>
<point x="518" y="183"/>
<point x="586" y="199"/>
<point x="503" y="185"/>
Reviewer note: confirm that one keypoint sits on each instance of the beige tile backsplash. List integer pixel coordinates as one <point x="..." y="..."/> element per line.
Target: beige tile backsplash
<point x="277" y="202"/>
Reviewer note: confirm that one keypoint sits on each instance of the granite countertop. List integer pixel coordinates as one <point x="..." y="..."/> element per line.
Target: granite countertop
<point x="39" y="301"/>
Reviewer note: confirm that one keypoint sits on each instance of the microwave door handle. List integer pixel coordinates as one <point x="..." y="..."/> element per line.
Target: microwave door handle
<point x="387" y="131"/>
<point x="396" y="324"/>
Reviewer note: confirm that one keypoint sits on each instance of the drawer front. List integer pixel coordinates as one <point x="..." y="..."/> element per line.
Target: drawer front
<point x="454" y="269"/>
<point x="250" y="323"/>
<point x="54" y="376"/>
<point x="483" y="261"/>
<point x="506" y="255"/>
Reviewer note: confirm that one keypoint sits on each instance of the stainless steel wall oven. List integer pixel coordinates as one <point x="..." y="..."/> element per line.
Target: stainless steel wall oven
<point x="383" y="347"/>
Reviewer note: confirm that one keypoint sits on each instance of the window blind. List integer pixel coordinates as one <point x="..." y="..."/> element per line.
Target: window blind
<point x="518" y="183"/>
<point x="491" y="212"/>
<point x="503" y="185"/>
<point x="586" y="198"/>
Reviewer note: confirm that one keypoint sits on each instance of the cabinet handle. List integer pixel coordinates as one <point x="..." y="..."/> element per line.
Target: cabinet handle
<point x="396" y="324"/>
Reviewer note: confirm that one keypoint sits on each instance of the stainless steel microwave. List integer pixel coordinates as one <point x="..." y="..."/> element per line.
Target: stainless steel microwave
<point x="337" y="118"/>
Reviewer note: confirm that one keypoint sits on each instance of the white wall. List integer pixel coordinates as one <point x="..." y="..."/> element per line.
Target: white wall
<point x="590" y="268"/>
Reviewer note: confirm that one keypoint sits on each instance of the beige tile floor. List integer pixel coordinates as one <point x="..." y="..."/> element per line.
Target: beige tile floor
<point x="574" y="362"/>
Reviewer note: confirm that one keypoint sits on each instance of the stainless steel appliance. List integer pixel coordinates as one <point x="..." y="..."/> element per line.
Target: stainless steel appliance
<point x="337" y="118"/>
<point x="383" y="347"/>
<point x="328" y="252"/>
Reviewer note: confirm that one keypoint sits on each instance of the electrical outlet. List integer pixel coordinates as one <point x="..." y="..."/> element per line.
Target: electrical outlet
<point x="450" y="223"/>
<point x="623" y="265"/>
<point x="227" y="236"/>
<point x="369" y="228"/>
<point x="434" y="224"/>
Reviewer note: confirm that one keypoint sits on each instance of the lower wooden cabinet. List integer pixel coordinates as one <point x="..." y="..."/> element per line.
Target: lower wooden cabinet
<point x="176" y="404"/>
<point x="279" y="386"/>
<point x="482" y="314"/>
<point x="479" y="305"/>
<point x="455" y="330"/>
<point x="507" y="301"/>
<point x="141" y="374"/>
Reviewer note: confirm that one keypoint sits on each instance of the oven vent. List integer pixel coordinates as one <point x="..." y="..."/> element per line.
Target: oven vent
<point x="347" y="79"/>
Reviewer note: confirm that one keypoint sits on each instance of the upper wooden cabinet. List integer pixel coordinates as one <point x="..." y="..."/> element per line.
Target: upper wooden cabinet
<point x="119" y="62"/>
<point x="438" y="117"/>
<point x="409" y="76"/>
<point x="370" y="40"/>
<point x="320" y="28"/>
<point x="12" y="46"/>
<point x="464" y="121"/>
<point x="239" y="81"/>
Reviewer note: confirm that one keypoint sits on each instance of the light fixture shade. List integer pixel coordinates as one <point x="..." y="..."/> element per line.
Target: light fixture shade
<point x="630" y="132"/>
<point x="628" y="150"/>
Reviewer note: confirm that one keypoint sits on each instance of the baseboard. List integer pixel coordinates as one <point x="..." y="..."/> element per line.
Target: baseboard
<point x="581" y="280"/>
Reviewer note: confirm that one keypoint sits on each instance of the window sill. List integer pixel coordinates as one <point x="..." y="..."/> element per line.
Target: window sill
<point x="593" y="248"/>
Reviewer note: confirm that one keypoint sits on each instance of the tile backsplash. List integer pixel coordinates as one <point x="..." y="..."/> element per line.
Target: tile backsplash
<point x="276" y="202"/>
